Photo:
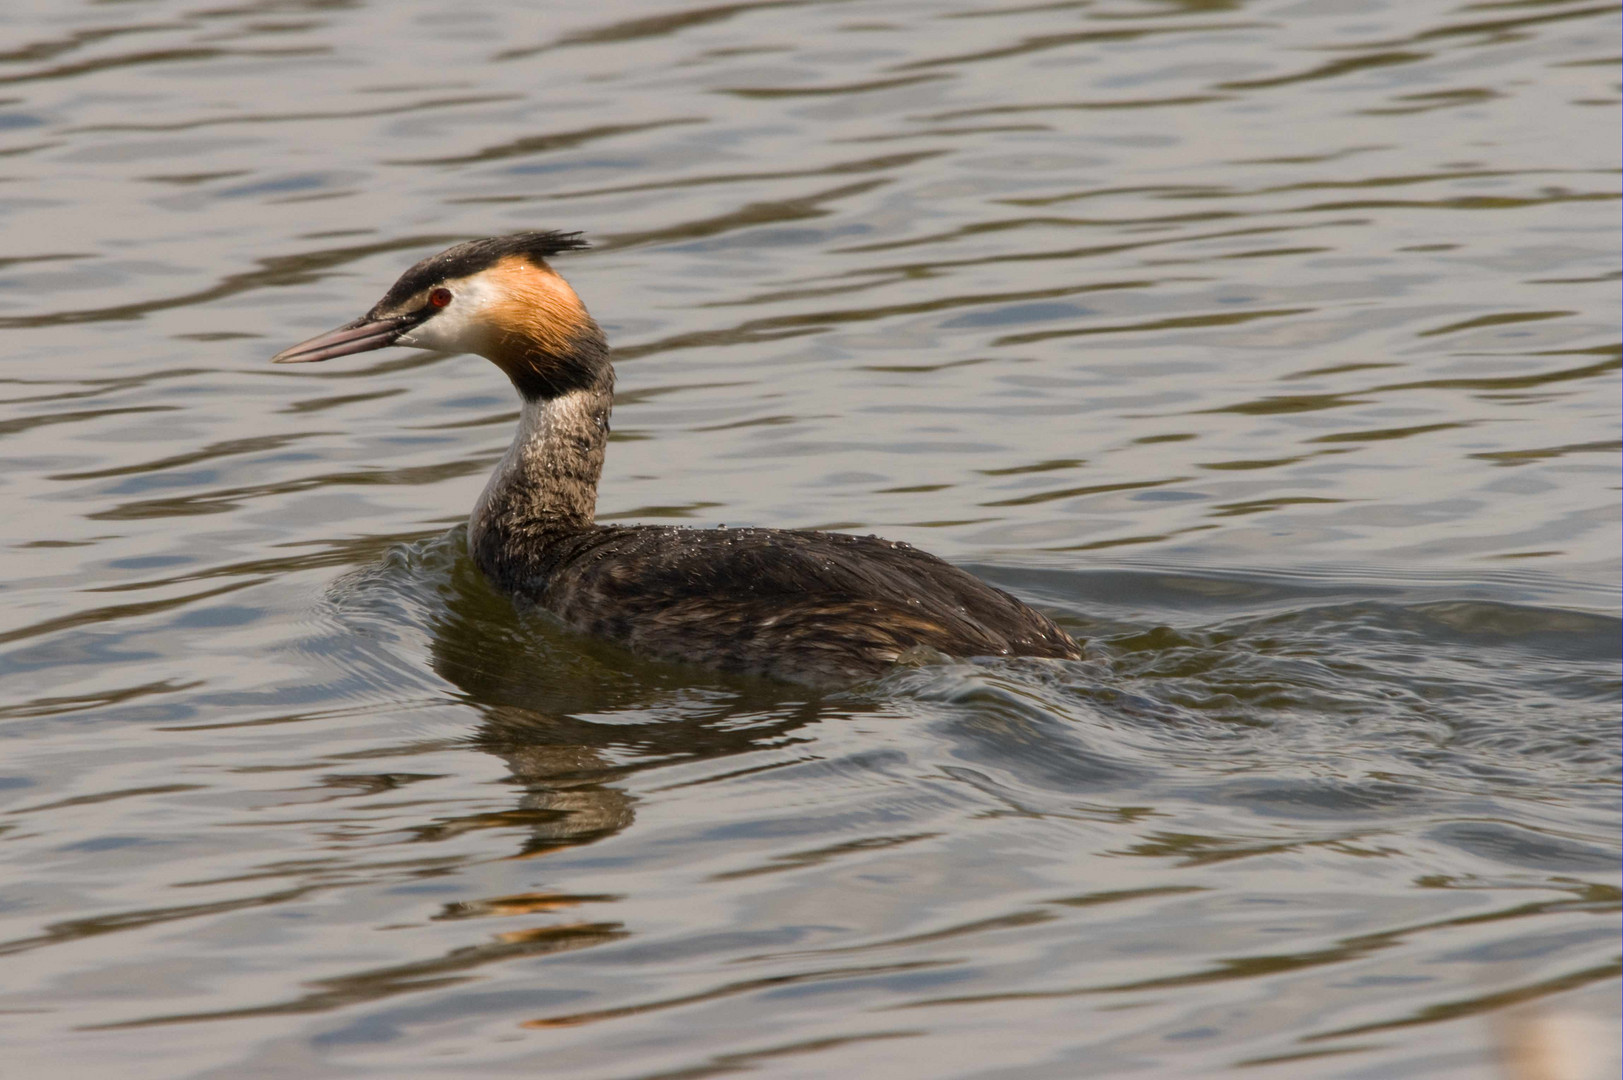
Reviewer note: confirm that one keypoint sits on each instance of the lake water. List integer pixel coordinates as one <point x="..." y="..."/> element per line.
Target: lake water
<point x="1271" y="347"/>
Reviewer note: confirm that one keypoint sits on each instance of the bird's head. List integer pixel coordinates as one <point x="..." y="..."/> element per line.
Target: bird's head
<point x="496" y="297"/>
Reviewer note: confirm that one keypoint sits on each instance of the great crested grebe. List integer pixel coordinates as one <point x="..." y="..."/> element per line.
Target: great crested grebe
<point x="826" y="609"/>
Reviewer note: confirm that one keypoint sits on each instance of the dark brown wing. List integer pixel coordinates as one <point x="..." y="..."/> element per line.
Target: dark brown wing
<point x="811" y="607"/>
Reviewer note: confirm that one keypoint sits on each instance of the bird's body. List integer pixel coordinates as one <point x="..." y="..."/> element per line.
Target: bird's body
<point x="811" y="607"/>
<point x="808" y="607"/>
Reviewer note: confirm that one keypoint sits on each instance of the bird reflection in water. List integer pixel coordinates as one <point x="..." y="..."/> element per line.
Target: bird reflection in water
<point x="574" y="717"/>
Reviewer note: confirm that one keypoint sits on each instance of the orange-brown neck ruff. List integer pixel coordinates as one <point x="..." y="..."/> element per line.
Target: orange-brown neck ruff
<point x="542" y="336"/>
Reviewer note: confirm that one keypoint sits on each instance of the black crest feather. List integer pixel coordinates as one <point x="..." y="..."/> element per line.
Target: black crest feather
<point x="472" y="256"/>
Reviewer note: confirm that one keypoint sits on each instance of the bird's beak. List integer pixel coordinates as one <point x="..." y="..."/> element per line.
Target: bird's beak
<point x="362" y="335"/>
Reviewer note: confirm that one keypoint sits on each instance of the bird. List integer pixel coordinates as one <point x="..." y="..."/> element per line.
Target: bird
<point x="822" y="609"/>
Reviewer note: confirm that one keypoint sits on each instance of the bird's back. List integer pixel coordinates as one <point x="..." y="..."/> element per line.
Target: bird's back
<point x="810" y="607"/>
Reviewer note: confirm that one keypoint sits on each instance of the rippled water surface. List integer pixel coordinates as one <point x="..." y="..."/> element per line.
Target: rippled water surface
<point x="1272" y="347"/>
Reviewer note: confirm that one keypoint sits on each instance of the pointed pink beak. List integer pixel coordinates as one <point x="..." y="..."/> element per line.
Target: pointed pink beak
<point x="362" y="335"/>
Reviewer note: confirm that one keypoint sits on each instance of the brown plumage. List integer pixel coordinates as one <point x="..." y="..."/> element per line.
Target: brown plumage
<point x="820" y="608"/>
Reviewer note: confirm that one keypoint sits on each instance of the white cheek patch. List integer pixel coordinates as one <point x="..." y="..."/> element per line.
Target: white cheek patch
<point x="460" y="326"/>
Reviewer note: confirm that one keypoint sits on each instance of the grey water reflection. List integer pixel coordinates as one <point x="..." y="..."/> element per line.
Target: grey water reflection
<point x="536" y="688"/>
<point x="1271" y="345"/>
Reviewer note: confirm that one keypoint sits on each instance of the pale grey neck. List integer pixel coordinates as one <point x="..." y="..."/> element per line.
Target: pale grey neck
<point x="546" y="483"/>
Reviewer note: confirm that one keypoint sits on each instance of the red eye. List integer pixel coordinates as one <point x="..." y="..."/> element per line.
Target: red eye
<point x="439" y="297"/>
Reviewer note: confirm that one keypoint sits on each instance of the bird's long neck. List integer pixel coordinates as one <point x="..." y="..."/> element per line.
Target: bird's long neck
<point x="545" y="487"/>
